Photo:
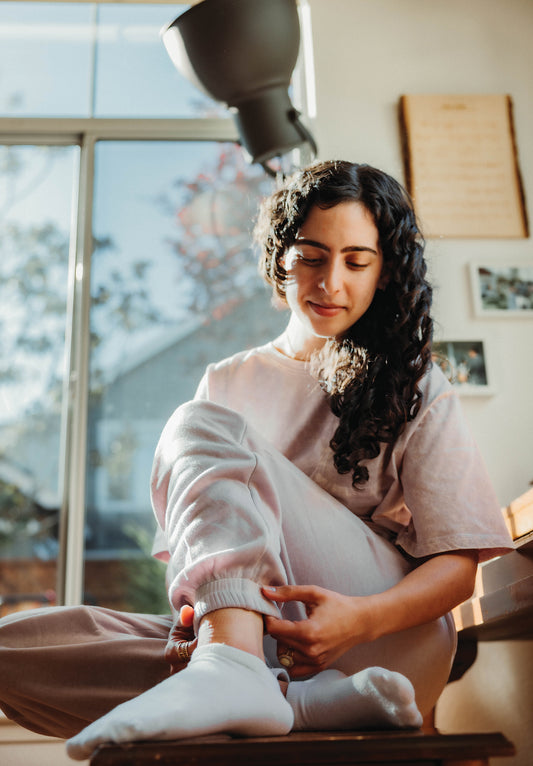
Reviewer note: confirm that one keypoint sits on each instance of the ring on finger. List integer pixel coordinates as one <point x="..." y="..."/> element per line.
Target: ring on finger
<point x="287" y="658"/>
<point x="182" y="651"/>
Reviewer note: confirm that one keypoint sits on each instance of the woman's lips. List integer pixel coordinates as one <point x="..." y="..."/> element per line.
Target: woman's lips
<point x="325" y="310"/>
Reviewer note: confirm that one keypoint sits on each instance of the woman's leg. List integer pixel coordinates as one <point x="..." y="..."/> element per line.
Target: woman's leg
<point x="226" y="687"/>
<point x="238" y="515"/>
<point x="63" y="667"/>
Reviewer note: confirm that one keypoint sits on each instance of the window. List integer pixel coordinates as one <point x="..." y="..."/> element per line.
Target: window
<point x="125" y="216"/>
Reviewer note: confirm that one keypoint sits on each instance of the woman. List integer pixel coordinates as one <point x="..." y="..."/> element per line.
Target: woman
<point x="321" y="504"/>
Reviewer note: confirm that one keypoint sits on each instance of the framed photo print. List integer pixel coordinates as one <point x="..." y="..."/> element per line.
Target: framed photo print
<point x="502" y="290"/>
<point x="465" y="364"/>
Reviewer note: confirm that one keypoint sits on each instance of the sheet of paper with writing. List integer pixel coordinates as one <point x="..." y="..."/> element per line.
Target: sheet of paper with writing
<point x="461" y="165"/>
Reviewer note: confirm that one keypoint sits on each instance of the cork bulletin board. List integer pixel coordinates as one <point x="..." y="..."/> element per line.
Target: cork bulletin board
<point x="461" y="165"/>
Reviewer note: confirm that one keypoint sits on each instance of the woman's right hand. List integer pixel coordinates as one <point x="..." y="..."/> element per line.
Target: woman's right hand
<point x="334" y="624"/>
<point x="181" y="633"/>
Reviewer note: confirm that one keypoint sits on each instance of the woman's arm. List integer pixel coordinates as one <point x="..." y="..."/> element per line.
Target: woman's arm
<point x="336" y="622"/>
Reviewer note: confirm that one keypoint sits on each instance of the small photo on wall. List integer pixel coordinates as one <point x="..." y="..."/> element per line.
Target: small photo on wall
<point x="503" y="291"/>
<point x="465" y="364"/>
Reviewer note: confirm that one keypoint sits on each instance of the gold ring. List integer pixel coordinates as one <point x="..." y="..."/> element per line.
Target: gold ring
<point x="287" y="659"/>
<point x="182" y="650"/>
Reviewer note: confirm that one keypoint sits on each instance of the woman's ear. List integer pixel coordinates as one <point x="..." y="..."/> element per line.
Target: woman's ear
<point x="384" y="278"/>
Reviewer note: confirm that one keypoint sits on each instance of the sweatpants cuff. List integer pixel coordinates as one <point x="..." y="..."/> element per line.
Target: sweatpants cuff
<point x="231" y="592"/>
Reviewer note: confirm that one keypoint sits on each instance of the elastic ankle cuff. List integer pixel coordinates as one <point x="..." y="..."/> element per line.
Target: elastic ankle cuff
<point x="231" y="593"/>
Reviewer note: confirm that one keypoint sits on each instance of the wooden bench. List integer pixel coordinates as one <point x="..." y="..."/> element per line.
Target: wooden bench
<point x="388" y="748"/>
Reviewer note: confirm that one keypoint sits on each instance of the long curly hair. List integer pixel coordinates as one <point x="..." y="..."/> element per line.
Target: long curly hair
<point x="372" y="374"/>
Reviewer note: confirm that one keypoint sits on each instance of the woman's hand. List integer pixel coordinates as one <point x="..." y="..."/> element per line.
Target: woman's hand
<point x="181" y="640"/>
<point x="335" y="623"/>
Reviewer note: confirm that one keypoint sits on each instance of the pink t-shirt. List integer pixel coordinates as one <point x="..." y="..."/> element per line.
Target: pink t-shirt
<point x="429" y="492"/>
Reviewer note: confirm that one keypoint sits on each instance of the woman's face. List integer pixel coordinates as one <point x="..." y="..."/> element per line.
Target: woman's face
<point x="333" y="269"/>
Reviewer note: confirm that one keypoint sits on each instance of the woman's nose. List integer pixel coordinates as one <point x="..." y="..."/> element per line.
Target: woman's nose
<point x="330" y="279"/>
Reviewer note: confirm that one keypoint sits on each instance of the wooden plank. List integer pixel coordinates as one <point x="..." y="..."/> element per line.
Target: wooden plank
<point x="311" y="749"/>
<point x="519" y="515"/>
<point x="501" y="615"/>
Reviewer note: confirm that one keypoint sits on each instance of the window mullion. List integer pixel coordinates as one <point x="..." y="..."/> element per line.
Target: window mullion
<point x="70" y="569"/>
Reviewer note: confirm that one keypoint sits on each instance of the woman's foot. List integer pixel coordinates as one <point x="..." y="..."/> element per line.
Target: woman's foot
<point x="374" y="698"/>
<point x="222" y="689"/>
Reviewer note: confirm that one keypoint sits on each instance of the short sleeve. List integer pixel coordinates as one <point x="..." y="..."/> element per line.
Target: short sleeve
<point x="447" y="489"/>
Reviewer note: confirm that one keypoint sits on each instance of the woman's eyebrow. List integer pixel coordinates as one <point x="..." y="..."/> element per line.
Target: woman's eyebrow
<point x="347" y="249"/>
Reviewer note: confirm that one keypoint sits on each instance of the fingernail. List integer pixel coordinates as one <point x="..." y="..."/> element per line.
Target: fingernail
<point x="270" y="588"/>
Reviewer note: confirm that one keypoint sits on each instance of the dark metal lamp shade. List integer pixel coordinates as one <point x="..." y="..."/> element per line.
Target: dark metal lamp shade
<point x="242" y="53"/>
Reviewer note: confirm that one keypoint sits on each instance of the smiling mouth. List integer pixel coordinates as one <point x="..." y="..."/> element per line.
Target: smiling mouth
<point x="325" y="310"/>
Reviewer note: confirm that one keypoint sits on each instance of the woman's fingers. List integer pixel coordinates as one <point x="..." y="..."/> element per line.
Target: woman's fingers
<point x="186" y="616"/>
<point x="318" y="640"/>
<point x="294" y="663"/>
<point x="308" y="594"/>
<point x="286" y="632"/>
<point x="178" y="652"/>
<point x="301" y="638"/>
<point x="299" y="663"/>
<point x="181" y="642"/>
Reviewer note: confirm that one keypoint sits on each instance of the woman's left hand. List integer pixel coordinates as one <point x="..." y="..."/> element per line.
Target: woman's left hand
<point x="181" y="641"/>
<point x="335" y="623"/>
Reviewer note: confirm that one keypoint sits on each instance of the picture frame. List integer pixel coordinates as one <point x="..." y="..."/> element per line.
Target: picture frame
<point x="461" y="165"/>
<point x="466" y="364"/>
<point x="502" y="290"/>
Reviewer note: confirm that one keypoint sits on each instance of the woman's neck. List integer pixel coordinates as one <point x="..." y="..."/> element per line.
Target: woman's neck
<point x="296" y="343"/>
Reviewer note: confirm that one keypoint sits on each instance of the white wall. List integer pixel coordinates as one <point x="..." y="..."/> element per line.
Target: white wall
<point x="367" y="54"/>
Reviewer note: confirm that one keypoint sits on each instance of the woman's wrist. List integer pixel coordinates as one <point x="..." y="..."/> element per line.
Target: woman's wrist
<point x="425" y="594"/>
<point x="367" y="618"/>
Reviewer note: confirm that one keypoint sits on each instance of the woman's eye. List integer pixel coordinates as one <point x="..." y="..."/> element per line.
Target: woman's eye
<point x="357" y="266"/>
<point x="310" y="261"/>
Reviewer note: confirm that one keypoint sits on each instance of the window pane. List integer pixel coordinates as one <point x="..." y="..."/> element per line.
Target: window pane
<point x="174" y="286"/>
<point x="134" y="75"/>
<point x="82" y="60"/>
<point x="35" y="208"/>
<point x="46" y="54"/>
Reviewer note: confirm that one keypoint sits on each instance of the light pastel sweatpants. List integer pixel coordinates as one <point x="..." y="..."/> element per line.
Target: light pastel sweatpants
<point x="237" y="515"/>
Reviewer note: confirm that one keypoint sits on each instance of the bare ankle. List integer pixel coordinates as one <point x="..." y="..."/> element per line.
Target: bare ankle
<point x="240" y="628"/>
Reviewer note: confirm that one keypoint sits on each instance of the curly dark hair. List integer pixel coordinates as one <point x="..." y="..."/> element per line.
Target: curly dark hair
<point x="371" y="374"/>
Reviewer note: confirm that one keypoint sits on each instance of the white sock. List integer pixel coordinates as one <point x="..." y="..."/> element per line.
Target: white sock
<point x="374" y="698"/>
<point x="222" y="689"/>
